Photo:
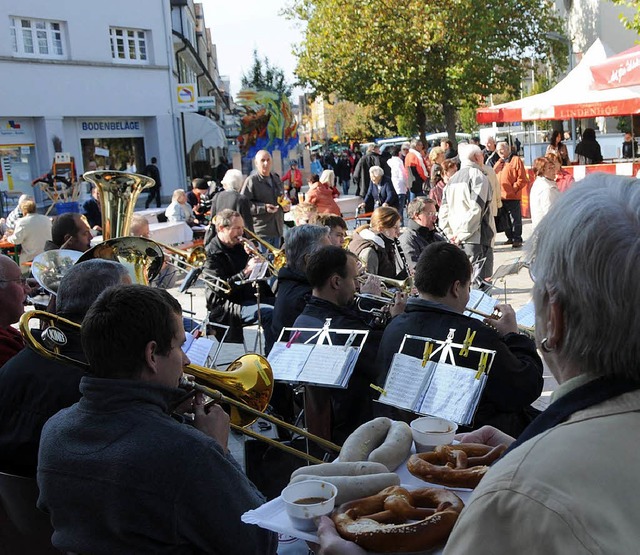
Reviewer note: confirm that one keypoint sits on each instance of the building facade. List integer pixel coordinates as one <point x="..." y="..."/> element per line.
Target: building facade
<point x="96" y="80"/>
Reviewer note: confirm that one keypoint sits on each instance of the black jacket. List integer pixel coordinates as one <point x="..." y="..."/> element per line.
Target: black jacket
<point x="152" y="171"/>
<point x="378" y="195"/>
<point x="293" y="292"/>
<point x="352" y="406"/>
<point x="32" y="390"/>
<point x="360" y="177"/>
<point x="414" y="239"/>
<point x="91" y="210"/>
<point x="515" y="380"/>
<point x="228" y="264"/>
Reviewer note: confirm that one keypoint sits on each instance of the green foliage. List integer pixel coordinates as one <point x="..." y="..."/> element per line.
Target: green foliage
<point x="414" y="56"/>
<point x="467" y="116"/>
<point x="632" y="24"/>
<point x="357" y="122"/>
<point x="264" y="76"/>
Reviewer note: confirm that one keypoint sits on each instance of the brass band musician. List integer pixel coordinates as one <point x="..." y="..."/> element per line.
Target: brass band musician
<point x="333" y="274"/>
<point x="229" y="261"/>
<point x="443" y="280"/>
<point x="116" y="472"/>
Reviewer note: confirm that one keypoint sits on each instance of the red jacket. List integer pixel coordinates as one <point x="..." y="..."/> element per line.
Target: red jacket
<point x="11" y="343"/>
<point x="512" y="177"/>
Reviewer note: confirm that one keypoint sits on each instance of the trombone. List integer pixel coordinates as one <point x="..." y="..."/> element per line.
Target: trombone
<point x="279" y="256"/>
<point x="248" y="382"/>
<point x="192" y="258"/>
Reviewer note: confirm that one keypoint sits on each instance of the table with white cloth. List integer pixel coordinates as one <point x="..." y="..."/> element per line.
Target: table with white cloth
<point x="348" y="204"/>
<point x="273" y="515"/>
<point x="167" y="233"/>
<point x="151" y="214"/>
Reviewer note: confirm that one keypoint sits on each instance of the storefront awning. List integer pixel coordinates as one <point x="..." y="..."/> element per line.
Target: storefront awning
<point x="200" y="128"/>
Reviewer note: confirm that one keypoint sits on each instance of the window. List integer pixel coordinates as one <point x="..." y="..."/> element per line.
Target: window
<point x="129" y="45"/>
<point x="37" y="37"/>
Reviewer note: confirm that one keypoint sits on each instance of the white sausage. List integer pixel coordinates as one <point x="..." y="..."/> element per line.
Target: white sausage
<point x="341" y="469"/>
<point x="355" y="487"/>
<point x="395" y="448"/>
<point x="365" y="439"/>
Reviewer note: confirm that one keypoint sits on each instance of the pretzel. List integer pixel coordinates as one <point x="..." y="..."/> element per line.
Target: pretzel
<point x="459" y="466"/>
<point x="399" y="521"/>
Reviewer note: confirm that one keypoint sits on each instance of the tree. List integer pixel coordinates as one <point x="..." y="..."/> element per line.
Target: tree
<point x="264" y="76"/>
<point x="409" y="57"/>
<point x="632" y="23"/>
<point x="356" y="122"/>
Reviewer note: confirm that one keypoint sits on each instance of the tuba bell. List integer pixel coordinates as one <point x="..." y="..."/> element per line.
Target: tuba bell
<point x="49" y="267"/>
<point x="141" y="257"/>
<point x="118" y="194"/>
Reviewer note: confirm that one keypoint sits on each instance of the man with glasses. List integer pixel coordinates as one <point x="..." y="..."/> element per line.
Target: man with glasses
<point x="13" y="293"/>
<point x="421" y="229"/>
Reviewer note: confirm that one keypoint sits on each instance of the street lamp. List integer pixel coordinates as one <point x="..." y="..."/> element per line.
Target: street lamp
<point x="561" y="38"/>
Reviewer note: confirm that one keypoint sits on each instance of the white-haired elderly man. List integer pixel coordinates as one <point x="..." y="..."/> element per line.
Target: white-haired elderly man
<point x="465" y="214"/>
<point x="381" y="191"/>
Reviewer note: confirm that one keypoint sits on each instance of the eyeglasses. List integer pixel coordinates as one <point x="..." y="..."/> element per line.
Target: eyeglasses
<point x="431" y="214"/>
<point x="22" y="280"/>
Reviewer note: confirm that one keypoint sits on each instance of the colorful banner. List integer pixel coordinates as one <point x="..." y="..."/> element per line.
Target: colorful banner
<point x="267" y="123"/>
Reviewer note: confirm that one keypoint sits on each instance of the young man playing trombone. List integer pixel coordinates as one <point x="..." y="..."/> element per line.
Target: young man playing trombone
<point x="116" y="472"/>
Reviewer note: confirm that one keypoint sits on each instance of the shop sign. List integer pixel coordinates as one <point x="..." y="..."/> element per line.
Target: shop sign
<point x="206" y="102"/>
<point x="12" y="127"/>
<point x="186" y="97"/>
<point x="98" y="125"/>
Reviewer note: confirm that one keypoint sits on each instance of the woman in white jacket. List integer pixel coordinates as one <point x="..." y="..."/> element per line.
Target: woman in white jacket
<point x="544" y="191"/>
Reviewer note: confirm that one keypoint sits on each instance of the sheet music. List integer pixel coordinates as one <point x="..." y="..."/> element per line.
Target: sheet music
<point x="479" y="300"/>
<point x="287" y="362"/>
<point x="405" y="381"/>
<point x="199" y="350"/>
<point x="258" y="271"/>
<point x="327" y="364"/>
<point x="453" y="393"/>
<point x="526" y="315"/>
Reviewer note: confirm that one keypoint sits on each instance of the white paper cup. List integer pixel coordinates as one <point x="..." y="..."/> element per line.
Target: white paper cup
<point x="430" y="431"/>
<point x="306" y="501"/>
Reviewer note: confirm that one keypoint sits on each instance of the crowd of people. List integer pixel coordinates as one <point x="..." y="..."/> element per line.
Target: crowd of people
<point x="114" y="436"/>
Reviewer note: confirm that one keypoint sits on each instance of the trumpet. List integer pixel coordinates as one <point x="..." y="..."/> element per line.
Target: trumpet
<point x="526" y="330"/>
<point x="248" y="381"/>
<point x="404" y="286"/>
<point x="279" y="256"/>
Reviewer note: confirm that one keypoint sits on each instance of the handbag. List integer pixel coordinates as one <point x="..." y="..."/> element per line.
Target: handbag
<point x="502" y="220"/>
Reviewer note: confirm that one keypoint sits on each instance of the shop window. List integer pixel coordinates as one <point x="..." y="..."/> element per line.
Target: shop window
<point x="129" y="45"/>
<point x="37" y="38"/>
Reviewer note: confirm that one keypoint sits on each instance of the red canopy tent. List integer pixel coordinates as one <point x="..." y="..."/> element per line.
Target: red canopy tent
<point x="573" y="97"/>
<point x="621" y="70"/>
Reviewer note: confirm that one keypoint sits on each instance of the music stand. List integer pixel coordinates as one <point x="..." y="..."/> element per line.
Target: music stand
<point x="190" y="279"/>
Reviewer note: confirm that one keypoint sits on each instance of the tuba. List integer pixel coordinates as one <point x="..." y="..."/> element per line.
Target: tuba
<point x="142" y="258"/>
<point x="49" y="267"/>
<point x="118" y="194"/>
